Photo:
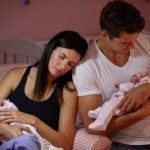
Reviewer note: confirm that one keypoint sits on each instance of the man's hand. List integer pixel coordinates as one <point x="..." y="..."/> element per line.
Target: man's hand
<point x="134" y="98"/>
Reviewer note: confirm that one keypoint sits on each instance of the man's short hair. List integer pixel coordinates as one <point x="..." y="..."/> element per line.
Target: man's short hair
<point x="119" y="16"/>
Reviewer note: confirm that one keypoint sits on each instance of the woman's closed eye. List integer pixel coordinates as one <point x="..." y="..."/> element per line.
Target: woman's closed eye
<point x="70" y="63"/>
<point x="62" y="56"/>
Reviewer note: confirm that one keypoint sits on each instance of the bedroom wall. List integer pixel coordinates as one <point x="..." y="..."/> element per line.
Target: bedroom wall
<point x="43" y="18"/>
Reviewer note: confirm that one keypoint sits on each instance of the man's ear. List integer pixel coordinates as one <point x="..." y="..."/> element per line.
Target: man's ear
<point x="104" y="34"/>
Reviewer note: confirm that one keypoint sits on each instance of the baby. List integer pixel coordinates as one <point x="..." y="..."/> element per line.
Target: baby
<point x="45" y="145"/>
<point x="104" y="113"/>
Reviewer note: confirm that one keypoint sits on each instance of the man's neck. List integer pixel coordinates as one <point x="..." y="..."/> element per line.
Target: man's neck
<point x="116" y="58"/>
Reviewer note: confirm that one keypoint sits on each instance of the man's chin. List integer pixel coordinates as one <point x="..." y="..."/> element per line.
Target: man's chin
<point x="126" y="51"/>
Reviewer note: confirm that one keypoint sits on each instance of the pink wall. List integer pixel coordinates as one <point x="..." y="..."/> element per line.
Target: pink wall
<point x="44" y="18"/>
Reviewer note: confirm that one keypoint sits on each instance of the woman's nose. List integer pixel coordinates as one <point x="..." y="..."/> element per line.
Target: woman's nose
<point x="64" y="65"/>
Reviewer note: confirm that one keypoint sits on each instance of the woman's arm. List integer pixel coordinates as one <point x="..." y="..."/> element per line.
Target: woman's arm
<point x="10" y="81"/>
<point x="7" y="85"/>
<point x="12" y="131"/>
<point x="61" y="138"/>
<point x="67" y="122"/>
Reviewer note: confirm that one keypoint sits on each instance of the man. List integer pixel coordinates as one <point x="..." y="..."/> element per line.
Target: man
<point x="119" y="52"/>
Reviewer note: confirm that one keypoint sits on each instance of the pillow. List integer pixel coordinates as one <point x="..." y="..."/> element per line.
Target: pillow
<point x="4" y="68"/>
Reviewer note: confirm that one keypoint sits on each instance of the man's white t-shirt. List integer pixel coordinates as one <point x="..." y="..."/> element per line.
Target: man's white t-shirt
<point x="95" y="74"/>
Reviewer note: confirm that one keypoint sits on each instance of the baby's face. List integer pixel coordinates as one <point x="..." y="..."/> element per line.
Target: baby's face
<point x="134" y="79"/>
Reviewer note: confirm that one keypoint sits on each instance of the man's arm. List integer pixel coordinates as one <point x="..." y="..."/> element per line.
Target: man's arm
<point x="90" y="102"/>
<point x="86" y="103"/>
<point x="135" y="98"/>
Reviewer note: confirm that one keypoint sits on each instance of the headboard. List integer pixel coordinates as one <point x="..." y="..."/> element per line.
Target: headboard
<point x="18" y="50"/>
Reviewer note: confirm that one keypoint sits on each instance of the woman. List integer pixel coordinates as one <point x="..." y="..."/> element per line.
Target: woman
<point x="44" y="93"/>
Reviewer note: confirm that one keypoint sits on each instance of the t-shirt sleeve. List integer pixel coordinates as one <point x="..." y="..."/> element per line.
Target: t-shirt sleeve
<point x="85" y="79"/>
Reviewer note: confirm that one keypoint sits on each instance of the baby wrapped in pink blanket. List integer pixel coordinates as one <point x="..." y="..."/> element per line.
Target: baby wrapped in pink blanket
<point x="104" y="113"/>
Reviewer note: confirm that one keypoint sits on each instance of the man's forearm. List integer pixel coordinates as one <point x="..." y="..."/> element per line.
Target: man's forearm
<point x="121" y="122"/>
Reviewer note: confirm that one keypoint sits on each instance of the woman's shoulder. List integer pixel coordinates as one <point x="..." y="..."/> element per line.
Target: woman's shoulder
<point x="11" y="80"/>
<point x="70" y="93"/>
<point x="16" y="72"/>
<point x="69" y="89"/>
<point x="71" y="85"/>
<point x="14" y="75"/>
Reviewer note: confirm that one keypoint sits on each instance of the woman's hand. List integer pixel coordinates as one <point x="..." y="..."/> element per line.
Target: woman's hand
<point x="134" y="98"/>
<point x="13" y="131"/>
<point x="11" y="115"/>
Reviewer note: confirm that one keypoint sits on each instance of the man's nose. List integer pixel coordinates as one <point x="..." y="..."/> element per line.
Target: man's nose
<point x="131" y="45"/>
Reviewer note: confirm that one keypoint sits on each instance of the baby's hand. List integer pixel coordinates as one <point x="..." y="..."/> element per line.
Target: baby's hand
<point x="117" y="85"/>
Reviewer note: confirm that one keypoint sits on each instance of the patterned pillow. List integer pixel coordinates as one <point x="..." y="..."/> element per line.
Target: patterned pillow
<point x="6" y="67"/>
<point x="85" y="141"/>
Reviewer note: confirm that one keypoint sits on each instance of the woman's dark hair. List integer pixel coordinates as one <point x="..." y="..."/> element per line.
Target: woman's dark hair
<point x="119" y="16"/>
<point x="65" y="39"/>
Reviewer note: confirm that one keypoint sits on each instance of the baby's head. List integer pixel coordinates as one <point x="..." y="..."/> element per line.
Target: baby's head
<point x="148" y="73"/>
<point x="135" y="79"/>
